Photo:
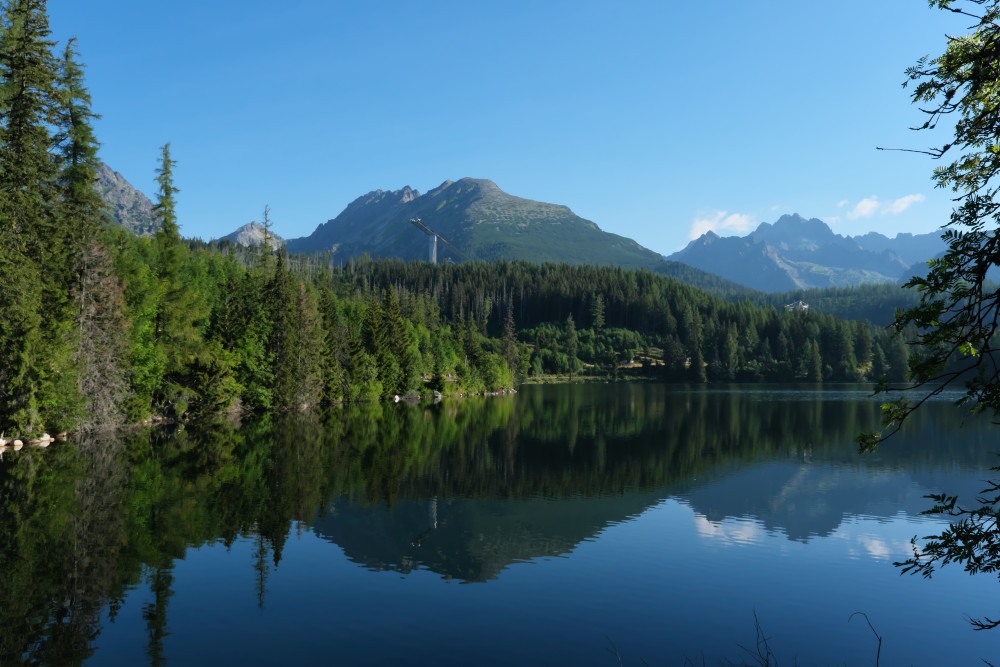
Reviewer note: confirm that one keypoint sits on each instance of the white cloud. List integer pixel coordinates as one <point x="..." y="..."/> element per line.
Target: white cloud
<point x="899" y="205"/>
<point x="876" y="547"/>
<point x="869" y="206"/>
<point x="721" y="222"/>
<point x="729" y="530"/>
<point x="864" y="208"/>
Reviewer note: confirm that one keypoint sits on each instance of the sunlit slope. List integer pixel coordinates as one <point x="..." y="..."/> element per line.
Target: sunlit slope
<point x="480" y="222"/>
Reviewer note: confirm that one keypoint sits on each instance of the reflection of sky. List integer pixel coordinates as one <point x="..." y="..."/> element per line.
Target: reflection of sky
<point x="719" y="573"/>
<point x="804" y="501"/>
<point x="662" y="585"/>
<point x="857" y="537"/>
<point x="729" y="531"/>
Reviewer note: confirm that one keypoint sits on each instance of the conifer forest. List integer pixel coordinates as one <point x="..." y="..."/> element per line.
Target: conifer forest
<point x="100" y="327"/>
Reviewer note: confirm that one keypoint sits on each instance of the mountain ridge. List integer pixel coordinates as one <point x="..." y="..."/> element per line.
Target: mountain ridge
<point x="479" y="220"/>
<point x="798" y="253"/>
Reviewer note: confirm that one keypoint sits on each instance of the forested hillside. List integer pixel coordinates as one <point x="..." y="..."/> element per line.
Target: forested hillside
<point x="101" y="326"/>
<point x="606" y="317"/>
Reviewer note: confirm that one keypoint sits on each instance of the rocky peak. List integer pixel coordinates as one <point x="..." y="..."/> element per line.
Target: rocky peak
<point x="252" y="234"/>
<point x="128" y="206"/>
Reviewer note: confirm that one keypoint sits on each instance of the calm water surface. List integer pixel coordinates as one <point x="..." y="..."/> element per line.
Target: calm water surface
<point x="538" y="529"/>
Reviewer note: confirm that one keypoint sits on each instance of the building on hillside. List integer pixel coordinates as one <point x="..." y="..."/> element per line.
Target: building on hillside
<point x="797" y="306"/>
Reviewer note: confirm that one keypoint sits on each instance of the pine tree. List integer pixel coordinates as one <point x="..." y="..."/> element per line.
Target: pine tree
<point x="597" y="312"/>
<point x="509" y="343"/>
<point x="81" y="205"/>
<point x="309" y="350"/>
<point x="100" y="339"/>
<point x="27" y="172"/>
<point x="34" y="359"/>
<point x="283" y="307"/>
<point x="181" y="308"/>
<point x="20" y="340"/>
<point x="572" y="343"/>
<point x="166" y="204"/>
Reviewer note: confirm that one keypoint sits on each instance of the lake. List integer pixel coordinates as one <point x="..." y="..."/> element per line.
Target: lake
<point x="576" y="524"/>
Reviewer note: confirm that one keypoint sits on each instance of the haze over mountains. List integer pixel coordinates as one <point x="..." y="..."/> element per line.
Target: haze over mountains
<point x="796" y="253"/>
<point x="479" y="221"/>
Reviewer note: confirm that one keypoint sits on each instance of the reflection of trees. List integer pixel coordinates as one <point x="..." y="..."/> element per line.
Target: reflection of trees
<point x="61" y="541"/>
<point x="82" y="523"/>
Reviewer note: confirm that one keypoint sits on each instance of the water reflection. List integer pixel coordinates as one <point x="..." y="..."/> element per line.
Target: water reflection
<point x="463" y="489"/>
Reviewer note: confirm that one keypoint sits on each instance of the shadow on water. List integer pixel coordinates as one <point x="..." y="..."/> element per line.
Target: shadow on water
<point x="461" y="488"/>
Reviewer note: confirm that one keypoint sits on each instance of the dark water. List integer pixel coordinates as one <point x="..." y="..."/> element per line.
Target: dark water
<point x="539" y="529"/>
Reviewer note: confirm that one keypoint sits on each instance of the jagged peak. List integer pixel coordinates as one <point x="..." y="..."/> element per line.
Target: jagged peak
<point x="794" y="224"/>
<point x="404" y="195"/>
<point x="796" y="220"/>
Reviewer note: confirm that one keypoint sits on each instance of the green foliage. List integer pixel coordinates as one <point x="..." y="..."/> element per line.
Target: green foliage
<point x="20" y="341"/>
<point x="182" y="329"/>
<point x="953" y="328"/>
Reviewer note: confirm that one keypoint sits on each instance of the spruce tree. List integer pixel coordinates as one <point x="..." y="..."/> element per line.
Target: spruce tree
<point x="509" y="342"/>
<point x="283" y="341"/>
<point x="27" y="172"/>
<point x="81" y="206"/>
<point x="32" y="358"/>
<point x="20" y="340"/>
<point x="181" y="308"/>
<point x="100" y="338"/>
<point x="309" y="357"/>
<point x="572" y="344"/>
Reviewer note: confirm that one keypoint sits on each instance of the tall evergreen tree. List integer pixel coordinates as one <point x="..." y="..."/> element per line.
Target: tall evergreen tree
<point x="309" y="361"/>
<point x="166" y="204"/>
<point x="81" y="205"/>
<point x="181" y="308"/>
<point x="283" y="307"/>
<point x="20" y="340"/>
<point x="572" y="343"/>
<point x="509" y="343"/>
<point x="34" y="358"/>
<point x="27" y="172"/>
<point x="98" y="297"/>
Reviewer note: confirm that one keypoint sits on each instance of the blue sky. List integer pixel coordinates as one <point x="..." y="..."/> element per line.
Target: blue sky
<point x="656" y="119"/>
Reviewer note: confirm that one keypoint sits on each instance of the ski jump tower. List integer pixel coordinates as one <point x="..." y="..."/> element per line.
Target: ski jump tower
<point x="433" y="247"/>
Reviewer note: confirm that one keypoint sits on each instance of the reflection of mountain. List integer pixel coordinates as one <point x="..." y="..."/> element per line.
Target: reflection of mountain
<point x="805" y="500"/>
<point x="534" y="476"/>
<point x="470" y="540"/>
<point x="812" y="493"/>
<point x="516" y="478"/>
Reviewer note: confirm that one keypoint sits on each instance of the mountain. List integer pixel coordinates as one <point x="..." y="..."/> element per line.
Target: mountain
<point x="796" y="253"/>
<point x="126" y="205"/>
<point x="911" y="248"/>
<point x="252" y="234"/>
<point x="478" y="220"/>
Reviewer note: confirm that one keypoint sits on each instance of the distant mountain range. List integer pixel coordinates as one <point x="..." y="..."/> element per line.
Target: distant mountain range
<point x="479" y="221"/>
<point x="796" y="253"/>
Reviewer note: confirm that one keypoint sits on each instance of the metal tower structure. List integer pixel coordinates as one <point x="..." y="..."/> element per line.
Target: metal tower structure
<point x="434" y="236"/>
